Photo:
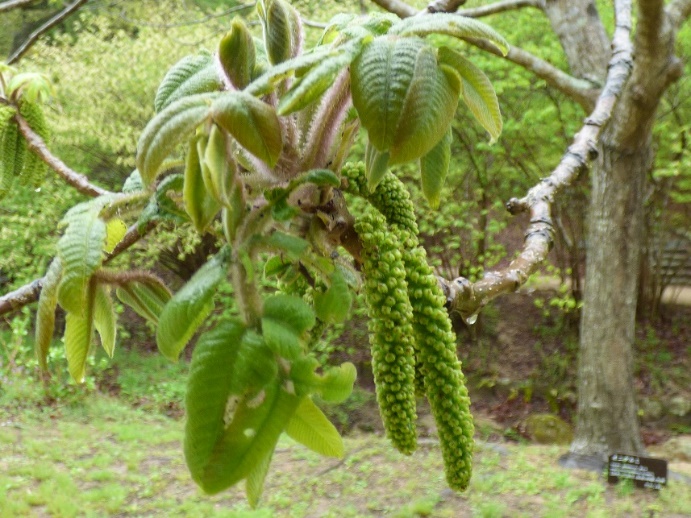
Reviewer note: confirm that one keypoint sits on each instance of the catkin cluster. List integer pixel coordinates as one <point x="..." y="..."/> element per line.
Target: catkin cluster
<point x="438" y="369"/>
<point x="16" y="161"/>
<point x="390" y="327"/>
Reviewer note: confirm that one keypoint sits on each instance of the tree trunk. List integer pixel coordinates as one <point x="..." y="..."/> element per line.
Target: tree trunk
<point x="607" y="419"/>
<point x="607" y="411"/>
<point x="582" y="36"/>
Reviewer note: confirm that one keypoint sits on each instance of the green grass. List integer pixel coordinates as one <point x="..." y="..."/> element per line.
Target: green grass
<point x="102" y="457"/>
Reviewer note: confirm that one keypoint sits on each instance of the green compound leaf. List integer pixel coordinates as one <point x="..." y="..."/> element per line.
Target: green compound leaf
<point x="254" y="426"/>
<point x="146" y="297"/>
<point x="478" y="92"/>
<point x="12" y="153"/>
<point x="268" y="81"/>
<point x="79" y="330"/>
<point x="333" y="305"/>
<point x="310" y="427"/>
<point x="199" y="204"/>
<point x="104" y="318"/>
<point x="115" y="231"/>
<point x="218" y="170"/>
<point x="191" y="75"/>
<point x="237" y="54"/>
<point x="285" y="320"/>
<point x="381" y="76"/>
<point x="189" y="307"/>
<point x="434" y="167"/>
<point x="318" y="79"/>
<point x="253" y="123"/>
<point x="45" y="313"/>
<point x="168" y="129"/>
<point x="334" y="386"/>
<point x="81" y="252"/>
<point x="209" y="385"/>
<point x="282" y="30"/>
<point x="254" y="484"/>
<point x="34" y="169"/>
<point x="451" y="25"/>
<point x="429" y="108"/>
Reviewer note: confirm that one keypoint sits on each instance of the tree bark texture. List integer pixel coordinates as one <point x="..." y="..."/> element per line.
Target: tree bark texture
<point x="607" y="412"/>
<point x="582" y="35"/>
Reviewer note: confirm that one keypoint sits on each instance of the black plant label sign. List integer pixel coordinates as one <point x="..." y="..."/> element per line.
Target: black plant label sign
<point x="645" y="472"/>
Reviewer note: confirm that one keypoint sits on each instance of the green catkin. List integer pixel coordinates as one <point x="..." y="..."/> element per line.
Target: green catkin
<point x="392" y="199"/>
<point x="437" y="361"/>
<point x="391" y="333"/>
<point x="12" y="149"/>
<point x="444" y="380"/>
<point x="34" y="170"/>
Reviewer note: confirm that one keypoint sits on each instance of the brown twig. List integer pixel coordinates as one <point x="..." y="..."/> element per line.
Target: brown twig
<point x="13" y="4"/>
<point x="30" y="292"/>
<point x="37" y="145"/>
<point x="34" y="36"/>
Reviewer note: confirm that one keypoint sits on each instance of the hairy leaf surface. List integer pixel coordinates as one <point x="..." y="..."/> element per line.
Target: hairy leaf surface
<point x="191" y="75"/>
<point x="434" y="167"/>
<point x="189" y="307"/>
<point x="168" y="129"/>
<point x="253" y="123"/>
<point x="250" y="436"/>
<point x="381" y="76"/>
<point x="199" y="204"/>
<point x="146" y="297"/>
<point x="78" y="334"/>
<point x="237" y="54"/>
<point x="81" y="252"/>
<point x="104" y="318"/>
<point x="285" y="319"/>
<point x="319" y="78"/>
<point x="333" y="305"/>
<point x="45" y="313"/>
<point x="429" y="108"/>
<point x="478" y="92"/>
<point x="451" y="25"/>
<point x="208" y="387"/>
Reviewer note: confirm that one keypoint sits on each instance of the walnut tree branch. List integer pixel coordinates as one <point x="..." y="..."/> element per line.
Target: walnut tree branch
<point x="468" y="298"/>
<point x="30" y="292"/>
<point x="13" y="4"/>
<point x="34" y="36"/>
<point x="500" y="7"/>
<point x="580" y="90"/>
<point x="679" y="11"/>
<point x="36" y="144"/>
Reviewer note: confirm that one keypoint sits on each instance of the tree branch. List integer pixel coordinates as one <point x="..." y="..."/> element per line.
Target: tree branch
<point x="13" y="4"/>
<point x="679" y="11"/>
<point x="37" y="145"/>
<point x="580" y="90"/>
<point x="30" y="292"/>
<point x="397" y="7"/>
<point x="468" y="298"/>
<point x="500" y="7"/>
<point x="34" y="36"/>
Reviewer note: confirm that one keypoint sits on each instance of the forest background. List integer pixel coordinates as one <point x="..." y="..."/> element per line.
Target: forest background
<point x="520" y="354"/>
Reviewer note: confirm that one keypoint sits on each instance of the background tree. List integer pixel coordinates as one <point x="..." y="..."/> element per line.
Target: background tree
<point x="607" y="413"/>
